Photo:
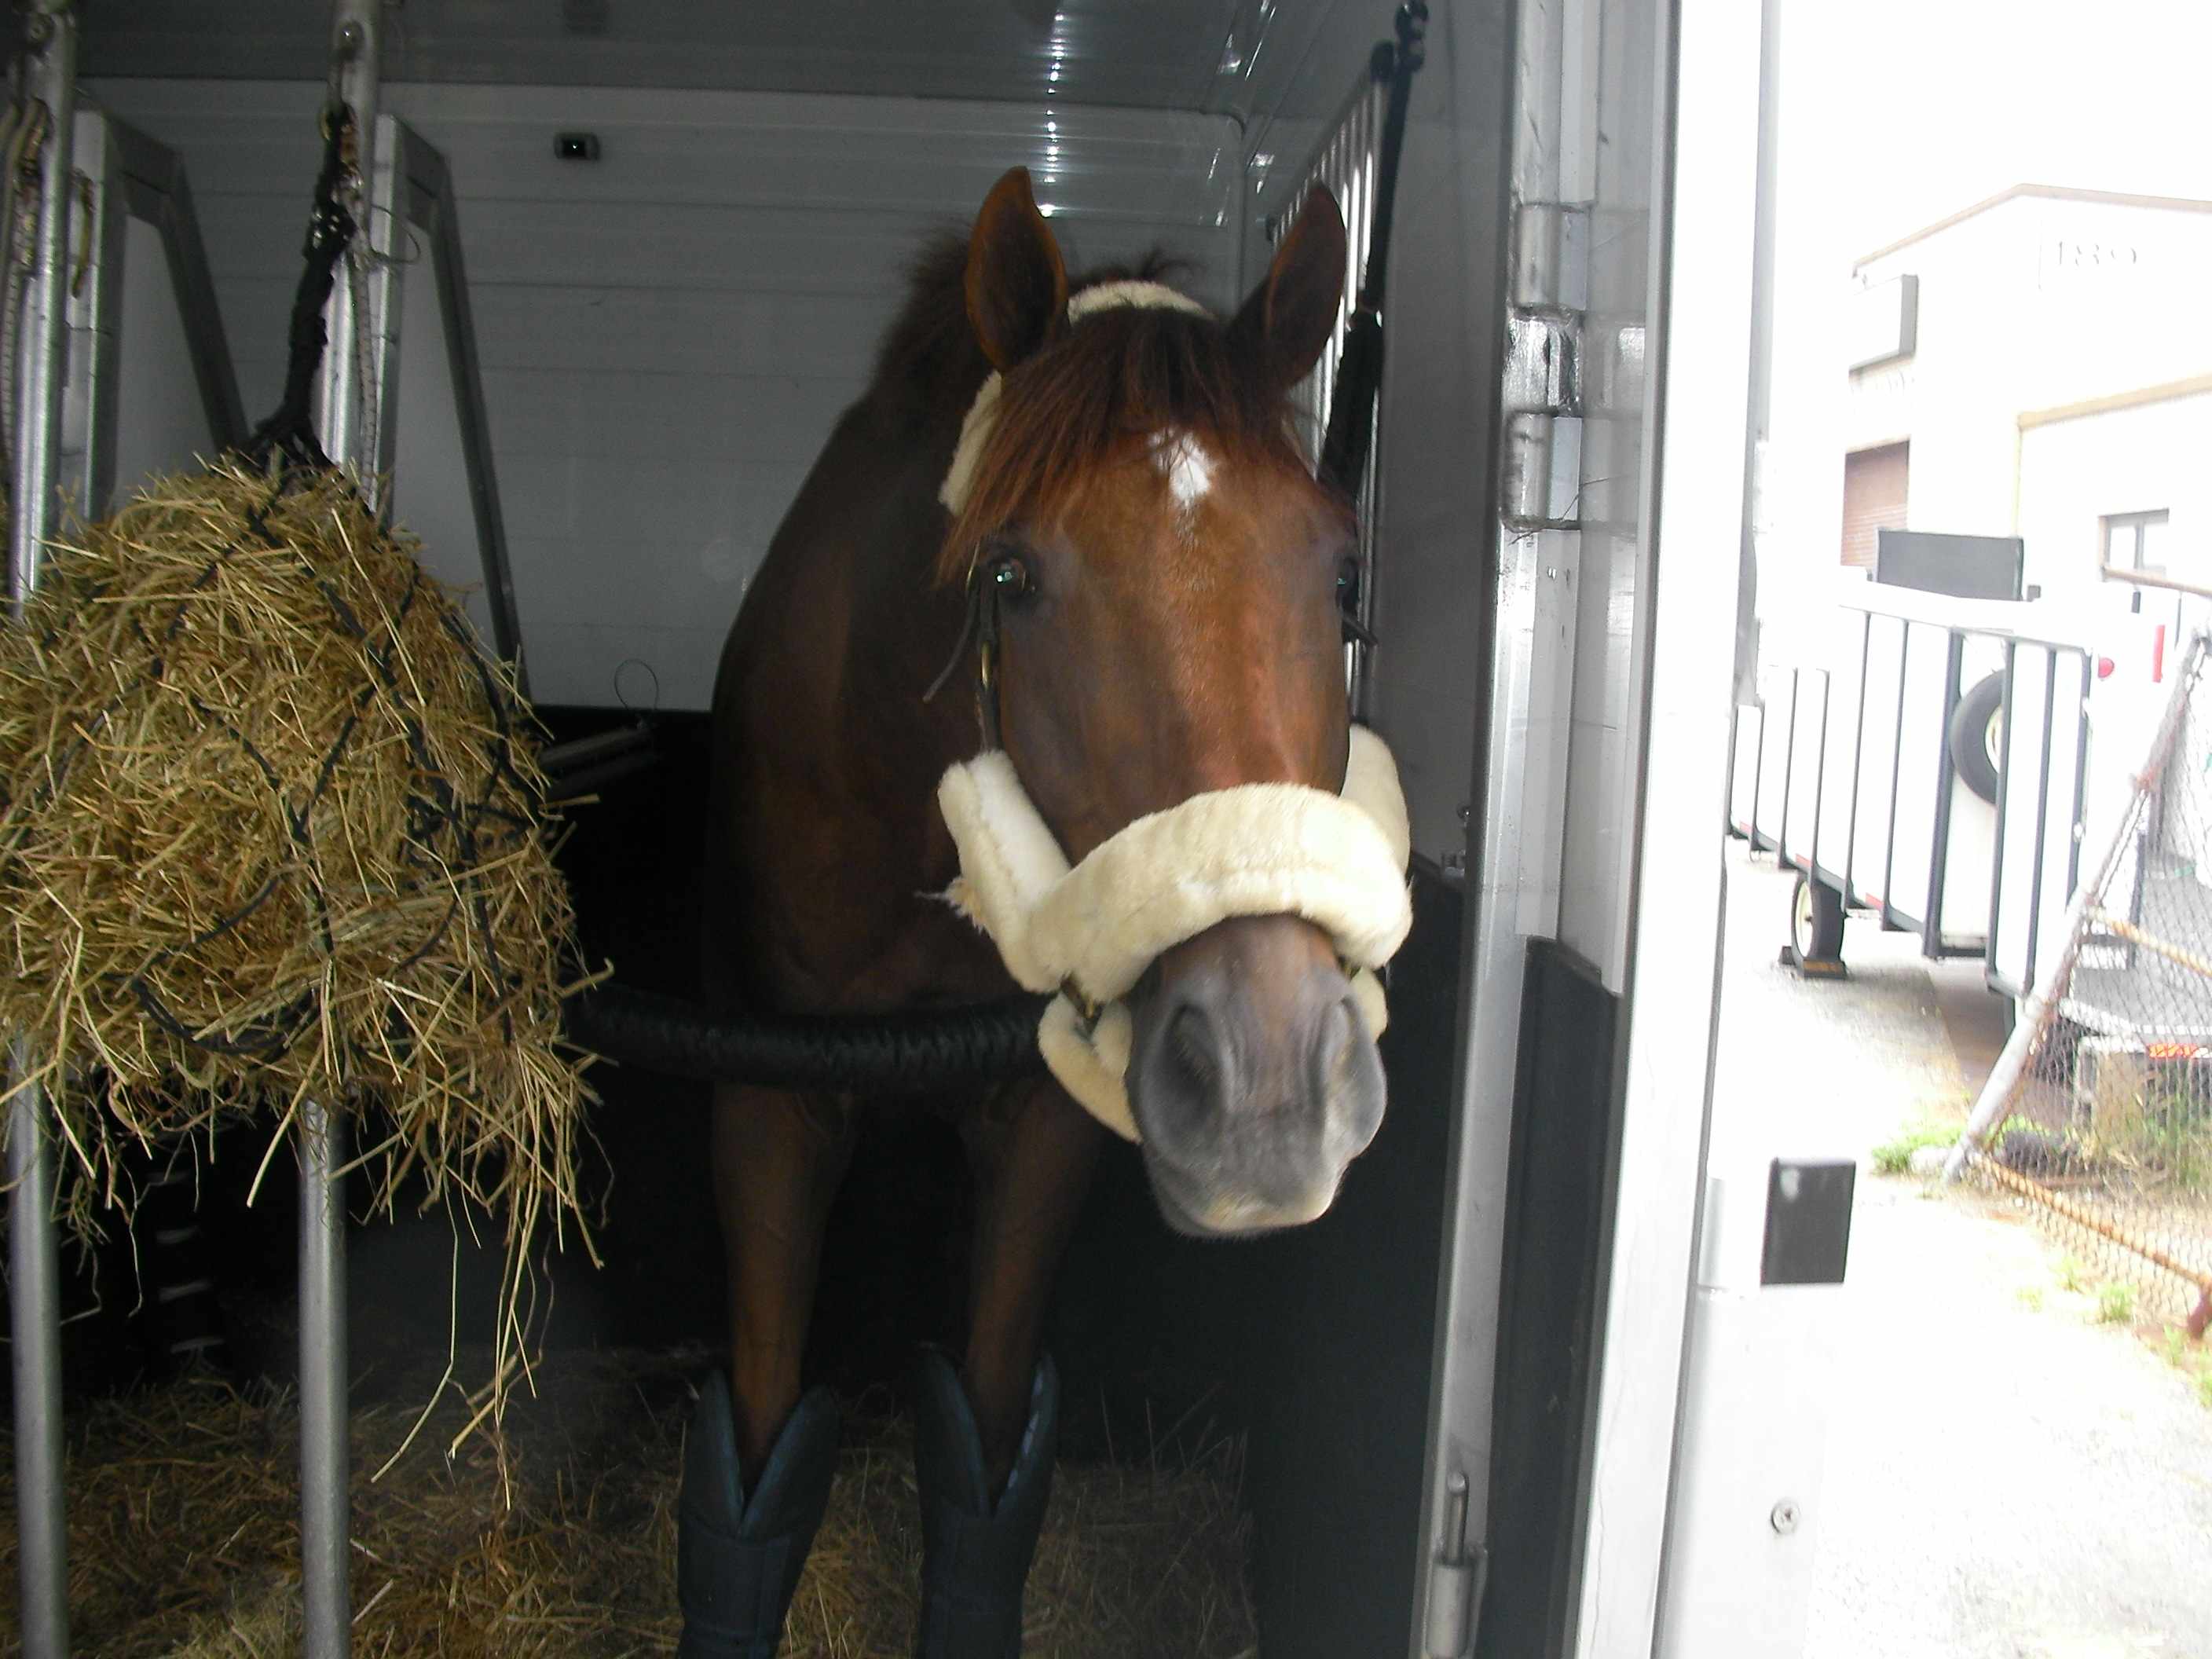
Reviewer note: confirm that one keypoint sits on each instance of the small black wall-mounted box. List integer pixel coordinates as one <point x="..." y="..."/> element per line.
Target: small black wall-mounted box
<point x="1808" y="1221"/>
<point x="576" y="146"/>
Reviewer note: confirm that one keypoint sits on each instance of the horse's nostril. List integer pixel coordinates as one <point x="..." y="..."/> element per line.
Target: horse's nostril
<point x="1181" y="1075"/>
<point x="1195" y="1047"/>
<point x="1334" y="1054"/>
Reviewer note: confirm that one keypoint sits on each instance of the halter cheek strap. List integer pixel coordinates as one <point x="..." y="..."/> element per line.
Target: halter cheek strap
<point x="981" y="627"/>
<point x="1090" y="930"/>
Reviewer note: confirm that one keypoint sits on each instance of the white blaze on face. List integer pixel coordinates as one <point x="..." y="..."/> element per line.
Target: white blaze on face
<point x="1187" y="466"/>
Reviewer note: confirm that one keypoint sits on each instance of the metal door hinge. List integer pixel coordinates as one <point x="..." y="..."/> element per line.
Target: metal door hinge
<point x="1543" y="389"/>
<point x="1543" y="363"/>
<point x="1455" y="1582"/>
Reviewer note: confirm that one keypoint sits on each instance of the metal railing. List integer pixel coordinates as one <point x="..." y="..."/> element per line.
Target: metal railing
<point x="1847" y="772"/>
<point x="35" y="1282"/>
<point x="1346" y="161"/>
<point x="71" y="373"/>
<point x="128" y="176"/>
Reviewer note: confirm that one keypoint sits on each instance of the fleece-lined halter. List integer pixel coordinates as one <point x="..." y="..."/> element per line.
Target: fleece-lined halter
<point x="1089" y="931"/>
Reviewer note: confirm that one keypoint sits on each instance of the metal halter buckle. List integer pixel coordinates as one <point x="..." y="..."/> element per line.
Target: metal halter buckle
<point x="1087" y="1008"/>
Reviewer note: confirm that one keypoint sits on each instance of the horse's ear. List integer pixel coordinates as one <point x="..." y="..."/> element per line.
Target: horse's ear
<point x="1286" y="321"/>
<point x="1017" y="285"/>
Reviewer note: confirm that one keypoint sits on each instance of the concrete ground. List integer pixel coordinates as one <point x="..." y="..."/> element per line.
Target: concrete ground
<point x="2007" y="1477"/>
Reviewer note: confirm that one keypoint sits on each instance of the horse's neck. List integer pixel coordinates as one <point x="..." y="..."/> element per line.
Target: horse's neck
<point x="906" y="625"/>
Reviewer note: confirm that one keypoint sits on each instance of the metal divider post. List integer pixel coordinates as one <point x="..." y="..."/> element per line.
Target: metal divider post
<point x="325" y="1507"/>
<point x="326" y="1536"/>
<point x="42" y="1529"/>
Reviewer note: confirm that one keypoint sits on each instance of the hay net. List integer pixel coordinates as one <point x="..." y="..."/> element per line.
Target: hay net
<point x="273" y="831"/>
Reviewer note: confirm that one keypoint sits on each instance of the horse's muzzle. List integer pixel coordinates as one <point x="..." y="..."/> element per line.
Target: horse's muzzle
<point x="1251" y="1076"/>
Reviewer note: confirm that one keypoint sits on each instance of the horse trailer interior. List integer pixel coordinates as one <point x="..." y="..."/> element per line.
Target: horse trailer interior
<point x="1516" y="1393"/>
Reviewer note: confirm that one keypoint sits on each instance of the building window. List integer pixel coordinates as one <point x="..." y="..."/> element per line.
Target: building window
<point x="2135" y="541"/>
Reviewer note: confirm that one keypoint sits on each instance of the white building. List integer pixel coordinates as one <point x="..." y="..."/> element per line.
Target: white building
<point x="2039" y="364"/>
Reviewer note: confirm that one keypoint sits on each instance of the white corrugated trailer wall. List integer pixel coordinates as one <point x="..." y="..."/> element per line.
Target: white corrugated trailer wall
<point x="666" y="334"/>
<point x="160" y="421"/>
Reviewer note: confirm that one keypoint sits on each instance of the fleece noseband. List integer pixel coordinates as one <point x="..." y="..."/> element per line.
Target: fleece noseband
<point x="1089" y="931"/>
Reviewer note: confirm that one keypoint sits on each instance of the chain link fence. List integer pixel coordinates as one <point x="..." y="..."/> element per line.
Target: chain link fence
<point x="2099" y="1115"/>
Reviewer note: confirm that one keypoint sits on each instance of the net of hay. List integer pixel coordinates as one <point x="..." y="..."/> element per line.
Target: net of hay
<point x="272" y="832"/>
<point x="183" y="1520"/>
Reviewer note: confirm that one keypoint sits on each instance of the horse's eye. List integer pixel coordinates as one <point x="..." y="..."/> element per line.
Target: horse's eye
<point x="1009" y="575"/>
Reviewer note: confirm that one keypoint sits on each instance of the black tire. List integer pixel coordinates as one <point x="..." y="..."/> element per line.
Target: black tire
<point x="1816" y="920"/>
<point x="1977" y="736"/>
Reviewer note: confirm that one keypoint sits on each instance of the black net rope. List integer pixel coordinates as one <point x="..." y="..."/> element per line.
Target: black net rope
<point x="288" y="432"/>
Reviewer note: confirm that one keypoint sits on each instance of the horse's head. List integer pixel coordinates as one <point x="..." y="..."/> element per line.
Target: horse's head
<point x="1167" y="575"/>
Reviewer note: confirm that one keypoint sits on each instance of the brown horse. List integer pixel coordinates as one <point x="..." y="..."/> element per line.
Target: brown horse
<point x="1167" y="571"/>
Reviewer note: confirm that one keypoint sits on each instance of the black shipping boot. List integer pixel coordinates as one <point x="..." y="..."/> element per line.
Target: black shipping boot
<point x="737" y="1554"/>
<point x="976" y="1553"/>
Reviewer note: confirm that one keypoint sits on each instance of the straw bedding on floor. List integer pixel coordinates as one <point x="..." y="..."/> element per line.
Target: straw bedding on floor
<point x="182" y="1542"/>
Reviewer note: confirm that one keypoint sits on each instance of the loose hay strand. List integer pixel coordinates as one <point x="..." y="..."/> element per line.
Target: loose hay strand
<point x="274" y="829"/>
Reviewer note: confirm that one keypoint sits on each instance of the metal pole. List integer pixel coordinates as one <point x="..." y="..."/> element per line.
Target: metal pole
<point x="326" y="1504"/>
<point x="2113" y="573"/>
<point x="42" y="1531"/>
<point x="324" y="1501"/>
<point x="41" y="1518"/>
<point x="1755" y="483"/>
<point x="343" y="419"/>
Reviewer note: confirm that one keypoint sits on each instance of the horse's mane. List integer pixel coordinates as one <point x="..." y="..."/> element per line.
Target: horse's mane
<point x="929" y="353"/>
<point x="1097" y="392"/>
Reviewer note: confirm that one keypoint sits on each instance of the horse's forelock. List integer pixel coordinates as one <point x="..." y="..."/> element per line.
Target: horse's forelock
<point x="1115" y="381"/>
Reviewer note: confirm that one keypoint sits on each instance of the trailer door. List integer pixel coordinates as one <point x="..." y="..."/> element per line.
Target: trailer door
<point x="1595" y="880"/>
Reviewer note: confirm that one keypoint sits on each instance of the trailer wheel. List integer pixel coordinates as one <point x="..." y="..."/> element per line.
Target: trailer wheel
<point x="1816" y="920"/>
<point x="1977" y="737"/>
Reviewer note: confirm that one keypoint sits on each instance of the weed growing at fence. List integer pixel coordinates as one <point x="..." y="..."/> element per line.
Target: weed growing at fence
<point x="2167" y="1139"/>
<point x="2031" y="1298"/>
<point x="1895" y="1157"/>
<point x="2070" y="1275"/>
<point x="2116" y="1305"/>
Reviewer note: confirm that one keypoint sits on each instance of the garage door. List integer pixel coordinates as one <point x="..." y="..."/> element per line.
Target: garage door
<point x="1873" y="498"/>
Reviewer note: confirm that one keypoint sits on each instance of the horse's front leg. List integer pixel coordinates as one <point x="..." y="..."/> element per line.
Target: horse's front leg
<point x="759" y="1458"/>
<point x="985" y="1433"/>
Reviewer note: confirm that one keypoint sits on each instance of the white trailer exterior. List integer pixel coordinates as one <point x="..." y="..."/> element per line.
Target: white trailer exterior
<point x="1848" y="766"/>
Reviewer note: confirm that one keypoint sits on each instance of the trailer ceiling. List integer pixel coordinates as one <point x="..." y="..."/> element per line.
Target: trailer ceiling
<point x="1230" y="57"/>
